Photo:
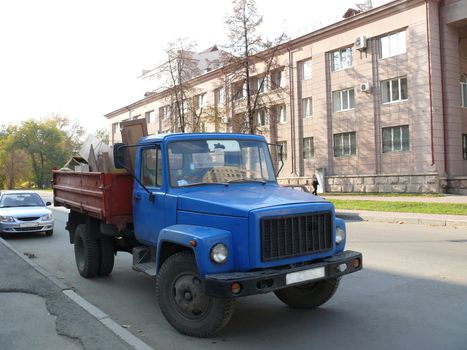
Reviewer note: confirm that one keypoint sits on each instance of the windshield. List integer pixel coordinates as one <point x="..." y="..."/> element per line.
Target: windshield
<point x="199" y="162"/>
<point x="21" y="200"/>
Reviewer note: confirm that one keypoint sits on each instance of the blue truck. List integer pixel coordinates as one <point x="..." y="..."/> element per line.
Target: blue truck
<point x="205" y="216"/>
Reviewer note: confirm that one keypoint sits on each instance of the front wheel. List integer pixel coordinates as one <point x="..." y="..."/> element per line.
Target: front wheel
<point x="182" y="298"/>
<point x="310" y="295"/>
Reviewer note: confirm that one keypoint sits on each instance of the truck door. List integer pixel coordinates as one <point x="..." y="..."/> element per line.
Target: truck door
<point x="148" y="212"/>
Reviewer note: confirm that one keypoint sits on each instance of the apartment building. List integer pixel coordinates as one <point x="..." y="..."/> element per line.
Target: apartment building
<point x="375" y="103"/>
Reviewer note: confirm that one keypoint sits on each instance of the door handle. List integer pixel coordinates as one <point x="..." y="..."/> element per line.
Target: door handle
<point x="137" y="197"/>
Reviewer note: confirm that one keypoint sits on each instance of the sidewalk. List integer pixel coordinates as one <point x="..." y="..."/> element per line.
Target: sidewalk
<point x="458" y="221"/>
<point x="37" y="312"/>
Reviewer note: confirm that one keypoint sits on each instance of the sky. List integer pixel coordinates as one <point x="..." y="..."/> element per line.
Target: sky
<point x="82" y="58"/>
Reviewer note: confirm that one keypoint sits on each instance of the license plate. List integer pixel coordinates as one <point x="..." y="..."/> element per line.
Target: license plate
<point x="29" y="224"/>
<point x="305" y="275"/>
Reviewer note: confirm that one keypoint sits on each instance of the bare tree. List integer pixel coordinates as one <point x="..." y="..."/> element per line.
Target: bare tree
<point x="252" y="61"/>
<point x="188" y="104"/>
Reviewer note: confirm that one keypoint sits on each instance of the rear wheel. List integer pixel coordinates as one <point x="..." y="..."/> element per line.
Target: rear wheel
<point x="87" y="253"/>
<point x="182" y="298"/>
<point x="308" y="296"/>
<point x="107" y="255"/>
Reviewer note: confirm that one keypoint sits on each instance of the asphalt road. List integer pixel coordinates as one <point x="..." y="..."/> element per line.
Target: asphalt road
<point x="412" y="294"/>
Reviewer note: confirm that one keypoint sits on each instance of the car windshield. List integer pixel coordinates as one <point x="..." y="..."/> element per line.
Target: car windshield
<point x="200" y="162"/>
<point x="21" y="200"/>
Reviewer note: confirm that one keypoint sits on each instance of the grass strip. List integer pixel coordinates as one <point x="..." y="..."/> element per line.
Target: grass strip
<point x="426" y="195"/>
<point x="402" y="207"/>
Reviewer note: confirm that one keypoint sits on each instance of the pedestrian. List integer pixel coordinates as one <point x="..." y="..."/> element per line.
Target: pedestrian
<point x="315" y="184"/>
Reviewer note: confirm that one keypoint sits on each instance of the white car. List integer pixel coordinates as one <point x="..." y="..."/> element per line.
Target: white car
<point x="24" y="211"/>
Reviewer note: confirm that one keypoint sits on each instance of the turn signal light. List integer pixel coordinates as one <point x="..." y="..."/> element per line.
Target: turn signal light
<point x="235" y="288"/>
<point x="356" y="263"/>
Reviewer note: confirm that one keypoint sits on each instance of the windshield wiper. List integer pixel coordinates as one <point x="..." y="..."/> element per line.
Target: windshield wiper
<point x="205" y="183"/>
<point x="262" y="181"/>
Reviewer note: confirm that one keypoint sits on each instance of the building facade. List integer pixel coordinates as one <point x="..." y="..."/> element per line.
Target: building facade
<point x="376" y="102"/>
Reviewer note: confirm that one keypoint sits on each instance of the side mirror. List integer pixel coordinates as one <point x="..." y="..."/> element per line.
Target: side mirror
<point x="48" y="203"/>
<point x="120" y="156"/>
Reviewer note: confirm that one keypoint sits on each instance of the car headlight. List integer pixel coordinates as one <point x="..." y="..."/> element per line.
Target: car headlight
<point x="219" y="253"/>
<point x="47" y="217"/>
<point x="340" y="235"/>
<point x="6" y="218"/>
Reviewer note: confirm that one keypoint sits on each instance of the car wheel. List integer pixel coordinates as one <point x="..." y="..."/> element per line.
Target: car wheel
<point x="310" y="295"/>
<point x="49" y="232"/>
<point x="182" y="300"/>
<point x="86" y="252"/>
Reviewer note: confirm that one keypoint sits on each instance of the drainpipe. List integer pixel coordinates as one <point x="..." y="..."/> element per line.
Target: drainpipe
<point x="443" y="96"/>
<point x="429" y="82"/>
<point x="292" y="113"/>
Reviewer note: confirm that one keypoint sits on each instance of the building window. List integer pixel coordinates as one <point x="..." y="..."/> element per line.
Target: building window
<point x="396" y="139"/>
<point x="342" y="59"/>
<point x="281" y="113"/>
<point x="345" y="144"/>
<point x="164" y="112"/>
<point x="259" y="84"/>
<point x="464" y="146"/>
<point x="308" y="148"/>
<point x="149" y="117"/>
<point x="463" y="91"/>
<point x="261" y="117"/>
<point x="394" y="90"/>
<point x="239" y="90"/>
<point x="282" y="147"/>
<point x="305" y="69"/>
<point x="114" y="128"/>
<point x="307" y="107"/>
<point x="219" y="95"/>
<point x="392" y="44"/>
<point x="277" y="79"/>
<point x="343" y="100"/>
<point x="199" y="102"/>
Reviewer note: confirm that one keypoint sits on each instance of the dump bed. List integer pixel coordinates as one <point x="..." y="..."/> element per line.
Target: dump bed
<point x="104" y="196"/>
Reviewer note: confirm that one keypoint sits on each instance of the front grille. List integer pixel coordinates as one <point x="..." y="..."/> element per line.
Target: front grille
<point x="295" y="235"/>
<point x="30" y="218"/>
<point x="25" y="229"/>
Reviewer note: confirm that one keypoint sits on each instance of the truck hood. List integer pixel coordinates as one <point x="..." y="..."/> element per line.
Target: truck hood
<point x="240" y="199"/>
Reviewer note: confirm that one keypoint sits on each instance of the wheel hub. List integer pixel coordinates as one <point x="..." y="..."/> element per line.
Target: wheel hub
<point x="189" y="297"/>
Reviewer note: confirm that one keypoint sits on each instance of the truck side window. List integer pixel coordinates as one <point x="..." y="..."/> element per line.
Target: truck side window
<point x="151" y="167"/>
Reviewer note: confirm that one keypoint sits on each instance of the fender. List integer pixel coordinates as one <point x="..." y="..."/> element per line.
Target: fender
<point x="205" y="238"/>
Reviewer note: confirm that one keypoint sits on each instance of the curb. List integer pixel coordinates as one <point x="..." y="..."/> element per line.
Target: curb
<point x="97" y="313"/>
<point x="394" y="218"/>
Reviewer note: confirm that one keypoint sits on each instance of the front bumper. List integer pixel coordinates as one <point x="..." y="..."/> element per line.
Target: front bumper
<point x="26" y="227"/>
<point x="264" y="281"/>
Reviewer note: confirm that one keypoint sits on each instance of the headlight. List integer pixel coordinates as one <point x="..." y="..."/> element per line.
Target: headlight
<point x="6" y="218"/>
<point x="47" y="217"/>
<point x="219" y="253"/>
<point x="340" y="235"/>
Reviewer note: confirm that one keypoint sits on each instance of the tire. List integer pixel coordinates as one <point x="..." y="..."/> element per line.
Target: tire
<point x="107" y="255"/>
<point x="309" y="296"/>
<point x="49" y="233"/>
<point x="192" y="313"/>
<point x="86" y="252"/>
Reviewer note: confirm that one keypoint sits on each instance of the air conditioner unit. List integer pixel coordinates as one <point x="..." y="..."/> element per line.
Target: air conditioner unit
<point x="360" y="42"/>
<point x="365" y="87"/>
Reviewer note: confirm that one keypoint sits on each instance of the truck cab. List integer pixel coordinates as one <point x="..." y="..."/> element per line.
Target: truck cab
<point x="211" y="224"/>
